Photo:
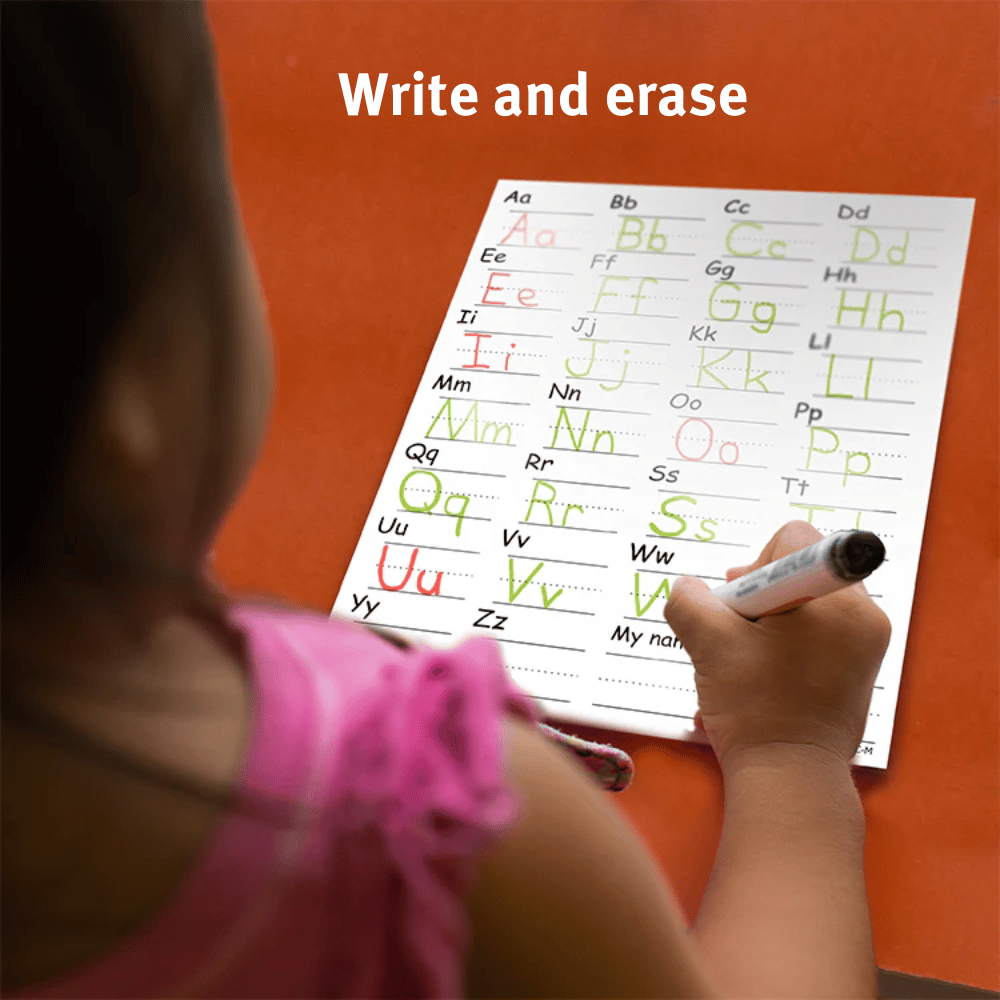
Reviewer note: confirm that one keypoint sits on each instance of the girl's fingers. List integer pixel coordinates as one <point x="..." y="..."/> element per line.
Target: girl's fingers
<point x="698" y="618"/>
<point x="788" y="538"/>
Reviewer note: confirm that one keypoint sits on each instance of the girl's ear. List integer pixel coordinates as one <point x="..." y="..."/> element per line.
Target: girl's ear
<point x="134" y="484"/>
<point x="127" y="419"/>
<point x="113" y="507"/>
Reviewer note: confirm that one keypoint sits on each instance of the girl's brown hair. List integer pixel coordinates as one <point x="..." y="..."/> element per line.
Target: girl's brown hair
<point x="98" y="194"/>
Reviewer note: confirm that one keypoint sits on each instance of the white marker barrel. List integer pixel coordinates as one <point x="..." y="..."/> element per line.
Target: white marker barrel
<point x="837" y="561"/>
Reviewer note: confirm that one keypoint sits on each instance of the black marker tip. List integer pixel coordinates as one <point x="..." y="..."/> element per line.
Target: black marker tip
<point x="859" y="554"/>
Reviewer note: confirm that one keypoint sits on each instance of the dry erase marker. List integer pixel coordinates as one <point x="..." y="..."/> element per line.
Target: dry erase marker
<point x="840" y="559"/>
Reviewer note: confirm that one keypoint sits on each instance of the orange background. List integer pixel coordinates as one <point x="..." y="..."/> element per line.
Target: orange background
<point x="362" y="226"/>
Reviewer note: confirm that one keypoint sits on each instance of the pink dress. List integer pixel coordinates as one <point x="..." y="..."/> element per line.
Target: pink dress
<point x="391" y="763"/>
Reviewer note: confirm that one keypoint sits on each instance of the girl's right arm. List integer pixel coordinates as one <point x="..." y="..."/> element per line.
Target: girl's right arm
<point x="572" y="904"/>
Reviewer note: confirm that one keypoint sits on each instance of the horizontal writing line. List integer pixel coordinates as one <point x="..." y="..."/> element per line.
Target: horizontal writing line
<point x="577" y="482"/>
<point x="671" y="218"/>
<point x="868" y="329"/>
<point x="862" y="399"/>
<point x="644" y="277"/>
<point x="733" y="388"/>
<point x="565" y="562"/>
<point x="771" y="284"/>
<point x="613" y="454"/>
<point x="831" y="506"/>
<point x="531" y="270"/>
<point x="641" y="343"/>
<point x="473" y="399"/>
<point x="518" y="246"/>
<point x="536" y="336"/>
<point x="657" y="659"/>
<point x="658" y="253"/>
<point x="740" y="420"/>
<point x="437" y="513"/>
<point x="717" y="496"/>
<point x="498" y="305"/>
<point x="870" y="430"/>
<point x="543" y="211"/>
<point x="458" y="440"/>
<point x="771" y="260"/>
<point x="888" y="291"/>
<point x="469" y="472"/>
<point x="750" y="350"/>
<point x="610" y="312"/>
<point x="495" y="371"/>
<point x="836" y="472"/>
<point x="731" y="465"/>
<point x="599" y="409"/>
<point x="406" y="628"/>
<point x="699" y="541"/>
<point x="507" y="333"/>
<point x="778" y="222"/>
<point x="567" y="527"/>
<point x="535" y="607"/>
<point x="597" y="378"/>
<point x="644" y="711"/>
<point x="542" y="645"/>
<point x="708" y="319"/>
<point x="416" y="593"/>
<point x="868" y="357"/>
<point x="434" y="548"/>
<point x="659" y="571"/>
<point x="875" y="263"/>
<point x="914" y="229"/>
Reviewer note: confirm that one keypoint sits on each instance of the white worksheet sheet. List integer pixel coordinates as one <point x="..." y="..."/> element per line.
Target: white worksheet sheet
<point x="638" y="383"/>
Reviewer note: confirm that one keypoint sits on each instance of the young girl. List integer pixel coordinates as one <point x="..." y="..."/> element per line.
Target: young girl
<point x="210" y="799"/>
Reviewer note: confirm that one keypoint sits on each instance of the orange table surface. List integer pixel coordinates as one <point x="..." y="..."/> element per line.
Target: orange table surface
<point x="362" y="225"/>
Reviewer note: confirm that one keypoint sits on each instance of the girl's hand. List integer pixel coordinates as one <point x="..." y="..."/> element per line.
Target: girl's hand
<point x="803" y="677"/>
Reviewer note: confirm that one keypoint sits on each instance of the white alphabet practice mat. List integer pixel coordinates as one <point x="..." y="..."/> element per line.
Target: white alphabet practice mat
<point x="637" y="383"/>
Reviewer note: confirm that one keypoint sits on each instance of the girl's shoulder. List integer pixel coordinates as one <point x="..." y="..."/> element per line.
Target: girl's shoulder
<point x="369" y="663"/>
<point x="395" y="753"/>
<point x="379" y="705"/>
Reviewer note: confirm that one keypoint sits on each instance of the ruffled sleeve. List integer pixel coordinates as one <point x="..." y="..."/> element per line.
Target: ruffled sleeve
<point x="427" y="791"/>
